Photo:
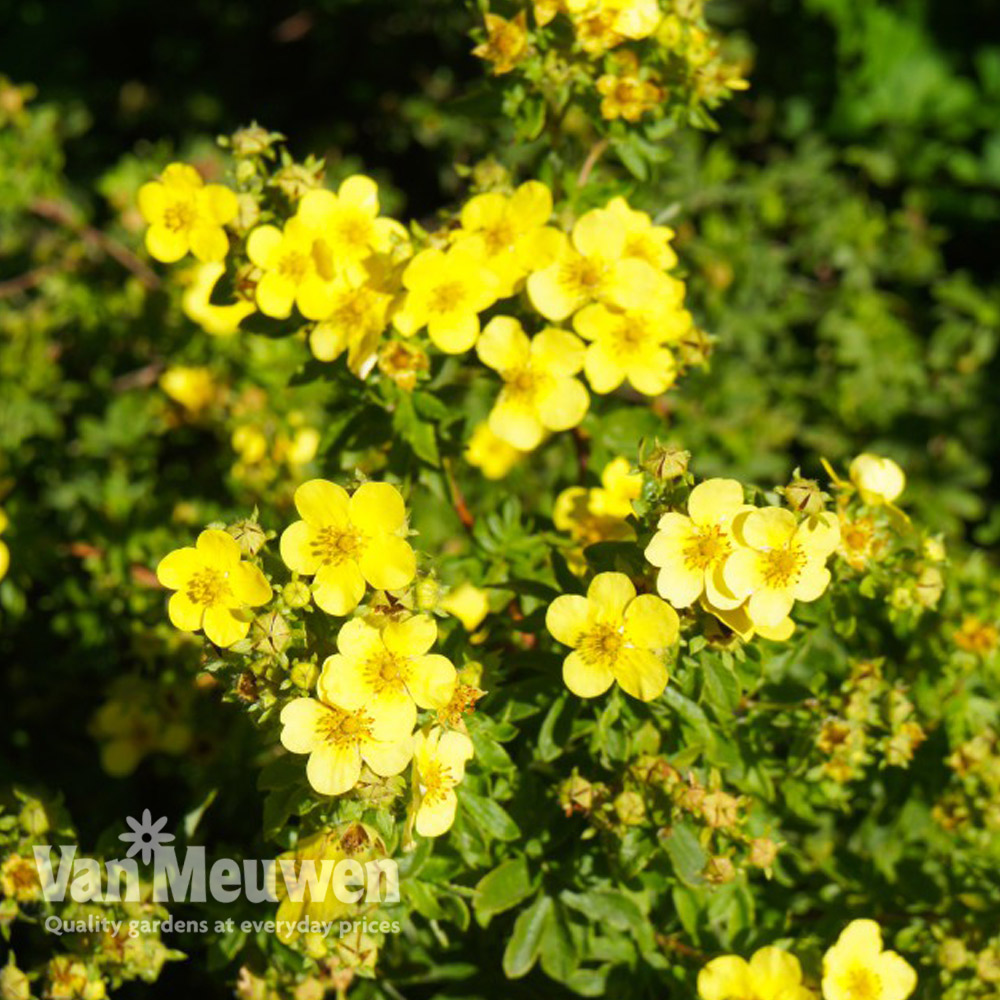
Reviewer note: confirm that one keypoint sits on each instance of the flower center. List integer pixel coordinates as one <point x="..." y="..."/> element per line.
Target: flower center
<point x="499" y="236"/>
<point x="179" y="217"/>
<point x="782" y="566"/>
<point x="863" y="984"/>
<point x="435" y="780"/>
<point x="338" y="545"/>
<point x="353" y="231"/>
<point x="602" y="644"/>
<point x="706" y="547"/>
<point x="386" y="670"/>
<point x="631" y="335"/>
<point x="583" y="275"/>
<point x="294" y="265"/>
<point x="208" y="587"/>
<point x="356" y="309"/>
<point x="345" y="729"/>
<point x="447" y="297"/>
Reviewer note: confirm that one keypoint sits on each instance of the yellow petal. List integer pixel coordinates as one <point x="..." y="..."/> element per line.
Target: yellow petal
<point x="431" y="680"/>
<point x="249" y="585"/>
<point x="263" y="244"/>
<point x="603" y="367"/>
<point x="297" y="548"/>
<point x="641" y="673"/>
<point x="557" y="352"/>
<point x="387" y="758"/>
<point x="209" y="243"/>
<point x="598" y="233"/>
<point x="359" y="192"/>
<point x="218" y="548"/>
<point x="453" y="750"/>
<point x="388" y="563"/>
<point x="714" y="500"/>
<point x="813" y="580"/>
<point x="563" y="405"/>
<point x="275" y="295"/>
<point x="377" y="507"/>
<point x="774" y="970"/>
<point x="554" y="299"/>
<point x="223" y="627"/>
<point x="742" y="573"/>
<point x="177" y="567"/>
<point x="567" y="617"/>
<point x="359" y="641"/>
<point x="531" y="204"/>
<point x="454" y="334"/>
<point x="609" y="594"/>
<point x="436" y="816"/>
<point x="316" y="298"/>
<point x="343" y="683"/>
<point x="411" y="637"/>
<point x="516" y="424"/>
<point x="184" y="613"/>
<point x="503" y="344"/>
<point x="586" y="680"/>
<point x="300" y="720"/>
<point x="316" y="208"/>
<point x="219" y="203"/>
<point x="166" y="245"/>
<point x="152" y="200"/>
<point x="896" y="975"/>
<point x="768" y="527"/>
<point x="650" y="623"/>
<point x="338" y="590"/>
<point x="768" y="607"/>
<point x="333" y="770"/>
<point x="322" y="503"/>
<point x="725" y="978"/>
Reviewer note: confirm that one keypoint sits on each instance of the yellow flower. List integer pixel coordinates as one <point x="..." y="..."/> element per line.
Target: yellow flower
<point x="324" y="845"/>
<point x="627" y="97"/>
<point x="511" y="232"/>
<point x="539" y="393"/>
<point x="468" y="604"/>
<point x="194" y="388"/>
<point x="346" y="541"/>
<point x="629" y="345"/>
<point x="220" y="321"/>
<point x="338" y="742"/>
<point x="771" y="974"/>
<point x="249" y="443"/>
<point x="213" y="587"/>
<point x="439" y="765"/>
<point x="347" y="224"/>
<point x="691" y="551"/>
<point x="4" y="551"/>
<point x="856" y="967"/>
<point x="506" y="42"/>
<point x="19" y="879"/>
<point x="446" y="291"/>
<point x="186" y="214"/>
<point x="298" y="270"/>
<point x="635" y="19"/>
<point x="493" y="456"/>
<point x="779" y="561"/>
<point x="576" y="511"/>
<point x="591" y="266"/>
<point x="879" y="480"/>
<point x="615" y="636"/>
<point x="387" y="671"/>
<point x="358" y="314"/>
<point x="738" y="621"/>
<point x="646" y="241"/>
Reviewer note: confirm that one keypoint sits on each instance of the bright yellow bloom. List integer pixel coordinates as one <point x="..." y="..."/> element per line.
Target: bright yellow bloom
<point x="691" y="551"/>
<point x="615" y="636"/>
<point x="19" y="879"/>
<point x="446" y="291"/>
<point x="339" y="742"/>
<point x="298" y="270"/>
<point x="387" y="671"/>
<point x="580" y="513"/>
<point x="771" y="974"/>
<point x="468" y="604"/>
<point x="4" y="551"/>
<point x="347" y="224"/>
<point x="506" y="42"/>
<point x="591" y="266"/>
<point x="879" y="480"/>
<point x="635" y="19"/>
<point x="738" y="621"/>
<point x="213" y="586"/>
<point x="540" y="393"/>
<point x="510" y="232"/>
<point x="856" y="967"/>
<point x="439" y="765"/>
<point x="629" y="345"/>
<point x="358" y="314"/>
<point x="345" y="541"/>
<point x="192" y="387"/>
<point x="619" y="487"/>
<point x="628" y="97"/>
<point x="644" y="240"/>
<point x="779" y="561"/>
<point x="184" y="213"/>
<point x="493" y="456"/>
<point x="220" y="321"/>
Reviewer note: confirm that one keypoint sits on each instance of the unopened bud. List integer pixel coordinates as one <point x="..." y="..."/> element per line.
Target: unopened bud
<point x="666" y="462"/>
<point x="720" y="870"/>
<point x="270" y="634"/>
<point x="630" y="809"/>
<point x="804" y="495"/>
<point x="296" y="594"/>
<point x="304" y="674"/>
<point x="249" y="534"/>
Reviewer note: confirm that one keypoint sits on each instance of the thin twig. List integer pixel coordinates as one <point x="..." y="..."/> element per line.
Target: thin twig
<point x="23" y="282"/>
<point x="457" y="499"/>
<point x="596" y="152"/>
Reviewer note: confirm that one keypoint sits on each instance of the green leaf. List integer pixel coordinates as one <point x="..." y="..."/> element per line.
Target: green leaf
<point x="686" y="854"/>
<point x="489" y="816"/>
<point x="558" y="952"/>
<point x="501" y="889"/>
<point x="417" y="433"/>
<point x="722" y="688"/>
<point x="555" y="731"/>
<point x="525" y="941"/>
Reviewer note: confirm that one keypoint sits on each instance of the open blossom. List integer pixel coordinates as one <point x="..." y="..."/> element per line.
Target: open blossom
<point x="771" y="974"/>
<point x="446" y="291"/>
<point x="439" y="765"/>
<point x="389" y="670"/>
<point x="186" y="214"/>
<point x="779" y="561"/>
<point x="506" y="42"/>
<point x="692" y="550"/>
<point x="879" y="480"/>
<point x="591" y="265"/>
<point x="346" y="541"/>
<point x="492" y="455"/>
<point x="338" y="742"/>
<point x="856" y="967"/>
<point x="540" y="393"/>
<point x="213" y="586"/>
<point x="615" y="636"/>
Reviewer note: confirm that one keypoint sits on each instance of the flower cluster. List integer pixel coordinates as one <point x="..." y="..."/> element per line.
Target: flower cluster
<point x="746" y="565"/>
<point x="857" y="967"/>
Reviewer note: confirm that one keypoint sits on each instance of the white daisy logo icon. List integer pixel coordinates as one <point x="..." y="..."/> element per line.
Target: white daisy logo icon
<point x="147" y="838"/>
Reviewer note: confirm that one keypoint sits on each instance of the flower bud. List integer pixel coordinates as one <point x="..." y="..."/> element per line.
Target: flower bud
<point x="14" y="983"/>
<point x="719" y="870"/>
<point x="270" y="634"/>
<point x="630" y="809"/>
<point x="296" y="594"/>
<point x="804" y="495"/>
<point x="304" y="674"/>
<point x="763" y="853"/>
<point x="249" y="534"/>
<point x="576" y="794"/>
<point x="952" y="954"/>
<point x="666" y="462"/>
